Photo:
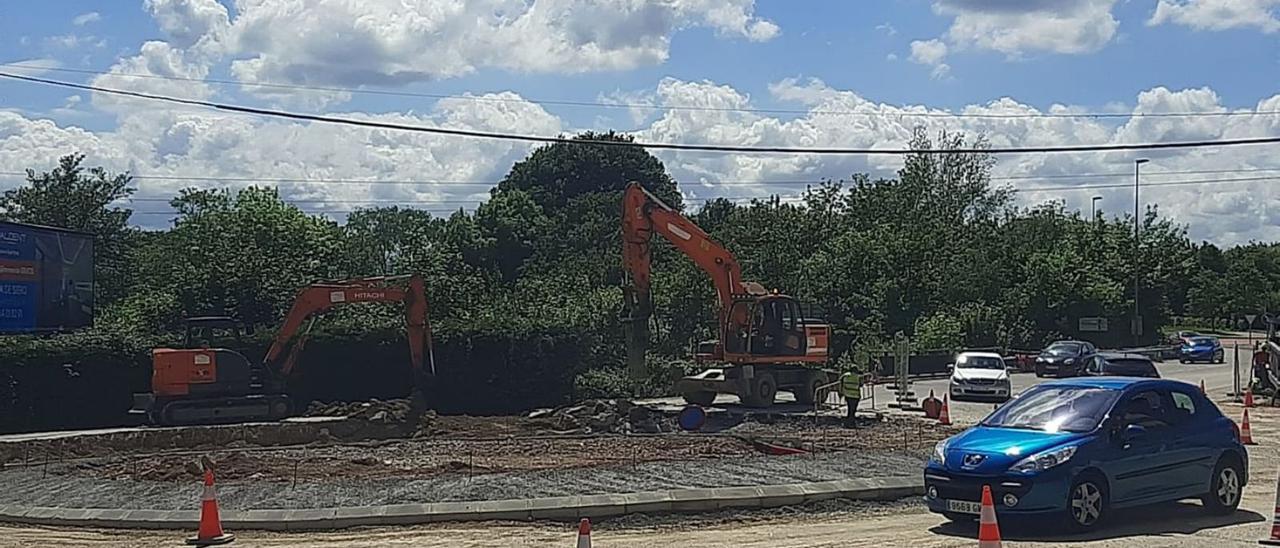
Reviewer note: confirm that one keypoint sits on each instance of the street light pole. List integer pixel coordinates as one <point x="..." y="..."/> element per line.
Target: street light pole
<point x="1137" y="165"/>
<point x="1093" y="207"/>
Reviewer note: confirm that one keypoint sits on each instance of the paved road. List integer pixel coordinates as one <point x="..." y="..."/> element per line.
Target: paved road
<point x="1218" y="380"/>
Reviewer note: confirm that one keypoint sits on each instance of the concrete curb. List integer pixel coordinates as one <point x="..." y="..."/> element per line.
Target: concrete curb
<point x="553" y="508"/>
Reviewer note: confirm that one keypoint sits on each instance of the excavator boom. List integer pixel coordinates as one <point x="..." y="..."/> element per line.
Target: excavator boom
<point x="764" y="330"/>
<point x="320" y="297"/>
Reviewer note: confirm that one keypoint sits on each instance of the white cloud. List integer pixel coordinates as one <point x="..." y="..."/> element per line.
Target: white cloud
<point x="1020" y="27"/>
<point x="887" y="29"/>
<point x="189" y="22"/>
<point x="195" y="142"/>
<point x="393" y="42"/>
<point x="932" y="53"/>
<point x="1219" y="14"/>
<point x="86" y="18"/>
<point x="73" y="41"/>
<point x="33" y="67"/>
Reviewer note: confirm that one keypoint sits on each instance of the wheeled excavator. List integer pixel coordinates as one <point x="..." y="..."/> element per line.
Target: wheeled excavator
<point x="765" y="343"/>
<point x="199" y="384"/>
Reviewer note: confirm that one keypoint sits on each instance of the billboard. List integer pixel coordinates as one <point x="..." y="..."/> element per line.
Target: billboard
<point x="46" y="278"/>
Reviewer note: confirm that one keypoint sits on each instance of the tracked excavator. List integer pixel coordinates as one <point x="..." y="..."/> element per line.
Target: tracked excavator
<point x="199" y="384"/>
<point x="765" y="343"/>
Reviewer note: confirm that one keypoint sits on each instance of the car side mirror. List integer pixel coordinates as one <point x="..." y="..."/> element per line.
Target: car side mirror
<point x="1134" y="432"/>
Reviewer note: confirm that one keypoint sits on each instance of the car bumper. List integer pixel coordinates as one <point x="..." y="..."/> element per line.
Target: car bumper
<point x="1043" y="494"/>
<point x="967" y="390"/>
<point x="1050" y="368"/>
<point x="1198" y="354"/>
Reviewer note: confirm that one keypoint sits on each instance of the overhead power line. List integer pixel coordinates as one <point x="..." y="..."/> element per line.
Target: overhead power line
<point x="659" y="106"/>
<point x="657" y="146"/>
<point x="717" y="182"/>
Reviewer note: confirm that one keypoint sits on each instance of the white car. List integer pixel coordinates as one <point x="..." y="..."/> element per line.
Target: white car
<point x="980" y="375"/>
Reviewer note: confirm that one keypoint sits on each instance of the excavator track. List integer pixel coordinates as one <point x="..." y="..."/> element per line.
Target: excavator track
<point x="221" y="410"/>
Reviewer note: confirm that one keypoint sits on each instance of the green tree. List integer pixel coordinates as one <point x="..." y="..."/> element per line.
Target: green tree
<point x="87" y="200"/>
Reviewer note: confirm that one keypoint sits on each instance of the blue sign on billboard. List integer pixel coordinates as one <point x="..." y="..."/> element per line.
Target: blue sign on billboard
<point x="46" y="278"/>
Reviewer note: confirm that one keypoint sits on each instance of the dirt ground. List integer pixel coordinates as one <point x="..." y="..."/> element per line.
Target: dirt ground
<point x="1173" y="525"/>
<point x="488" y="445"/>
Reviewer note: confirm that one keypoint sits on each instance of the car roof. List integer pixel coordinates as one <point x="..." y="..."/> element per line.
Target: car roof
<point x="1115" y="383"/>
<point x="982" y="355"/>
<point x="1122" y="356"/>
<point x="1066" y="341"/>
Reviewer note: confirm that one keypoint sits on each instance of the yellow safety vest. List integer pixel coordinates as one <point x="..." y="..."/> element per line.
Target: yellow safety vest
<point x="851" y="385"/>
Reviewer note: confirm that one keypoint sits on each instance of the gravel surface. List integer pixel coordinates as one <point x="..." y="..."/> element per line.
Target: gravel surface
<point x="32" y="487"/>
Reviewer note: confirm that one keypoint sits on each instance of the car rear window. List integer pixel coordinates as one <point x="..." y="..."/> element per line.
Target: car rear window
<point x="1132" y="368"/>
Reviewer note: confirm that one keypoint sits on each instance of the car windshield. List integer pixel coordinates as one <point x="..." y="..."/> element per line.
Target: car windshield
<point x="1061" y="349"/>
<point x="979" y="362"/>
<point x="1202" y="341"/>
<point x="1055" y="409"/>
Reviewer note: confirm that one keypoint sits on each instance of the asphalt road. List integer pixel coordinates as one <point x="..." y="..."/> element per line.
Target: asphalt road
<point x="1218" y="380"/>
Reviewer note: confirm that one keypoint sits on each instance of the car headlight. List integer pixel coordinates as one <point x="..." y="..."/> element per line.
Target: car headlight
<point x="940" y="452"/>
<point x="1070" y="361"/>
<point x="1040" y="462"/>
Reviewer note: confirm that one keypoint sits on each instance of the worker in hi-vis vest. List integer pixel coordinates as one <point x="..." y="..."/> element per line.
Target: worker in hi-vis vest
<point x="851" y="389"/>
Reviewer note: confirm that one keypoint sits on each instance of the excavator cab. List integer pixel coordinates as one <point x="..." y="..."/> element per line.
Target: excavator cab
<point x="769" y="326"/>
<point x="215" y="332"/>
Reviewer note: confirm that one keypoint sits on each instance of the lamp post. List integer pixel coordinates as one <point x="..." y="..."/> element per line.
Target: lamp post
<point x="1137" y="177"/>
<point x="1093" y="207"/>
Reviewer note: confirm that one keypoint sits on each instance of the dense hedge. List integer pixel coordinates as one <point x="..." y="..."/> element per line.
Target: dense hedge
<point x="87" y="380"/>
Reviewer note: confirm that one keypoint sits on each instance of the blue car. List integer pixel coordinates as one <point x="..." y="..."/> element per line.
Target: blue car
<point x="1079" y="448"/>
<point x="1201" y="349"/>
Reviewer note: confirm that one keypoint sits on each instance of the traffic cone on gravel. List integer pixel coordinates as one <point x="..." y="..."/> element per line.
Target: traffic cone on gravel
<point x="944" y="416"/>
<point x="988" y="529"/>
<point x="1246" y="433"/>
<point x="210" y="532"/>
<point x="1275" y="521"/>
<point x="584" y="533"/>
<point x="1248" y="397"/>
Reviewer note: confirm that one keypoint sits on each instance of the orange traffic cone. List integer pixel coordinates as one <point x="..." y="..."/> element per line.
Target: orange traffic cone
<point x="944" y="416"/>
<point x="584" y="533"/>
<point x="1248" y="397"/>
<point x="988" y="529"/>
<point x="210" y="532"/>
<point x="1246" y="433"/>
<point x="1275" y="521"/>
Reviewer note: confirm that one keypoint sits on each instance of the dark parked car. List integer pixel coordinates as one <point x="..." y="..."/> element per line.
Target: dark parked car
<point x="1080" y="448"/>
<point x="1201" y="349"/>
<point x="1121" y="365"/>
<point x="1064" y="358"/>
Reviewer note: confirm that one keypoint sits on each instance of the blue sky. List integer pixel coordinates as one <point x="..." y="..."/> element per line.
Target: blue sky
<point x="817" y="56"/>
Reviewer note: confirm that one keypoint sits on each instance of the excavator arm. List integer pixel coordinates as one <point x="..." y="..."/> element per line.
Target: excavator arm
<point x="643" y="214"/>
<point x="283" y="355"/>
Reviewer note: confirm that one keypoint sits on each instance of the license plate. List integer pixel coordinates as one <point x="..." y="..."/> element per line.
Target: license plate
<point x="964" y="507"/>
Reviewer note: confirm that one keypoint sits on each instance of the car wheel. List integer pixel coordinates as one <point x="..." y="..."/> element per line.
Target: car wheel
<point x="1224" y="493"/>
<point x="1086" y="503"/>
<point x="1220" y="357"/>
<point x="1182" y="361"/>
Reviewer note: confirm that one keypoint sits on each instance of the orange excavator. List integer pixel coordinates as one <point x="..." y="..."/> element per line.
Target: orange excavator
<point x="765" y="342"/>
<point x="199" y="384"/>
